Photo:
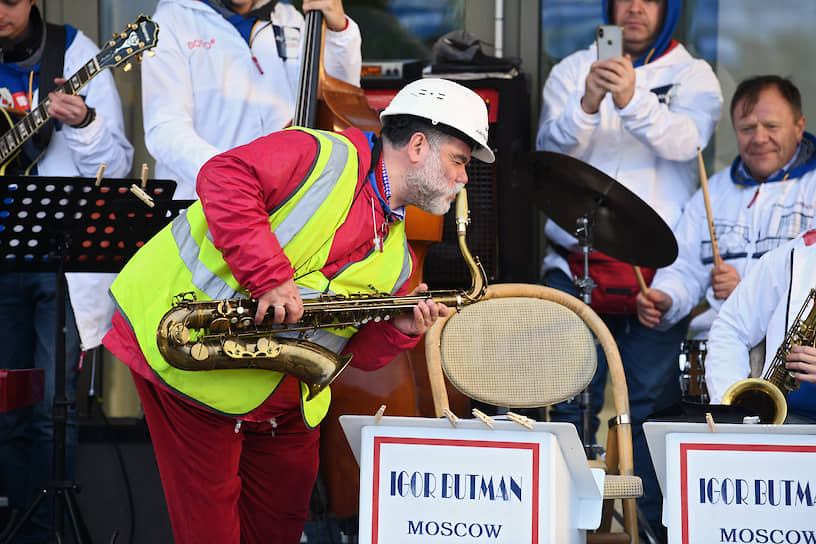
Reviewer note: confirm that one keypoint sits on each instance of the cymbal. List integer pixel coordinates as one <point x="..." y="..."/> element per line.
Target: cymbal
<point x="625" y="227"/>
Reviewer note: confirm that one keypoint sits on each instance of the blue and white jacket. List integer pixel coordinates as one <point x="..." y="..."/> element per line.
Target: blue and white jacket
<point x="749" y="218"/>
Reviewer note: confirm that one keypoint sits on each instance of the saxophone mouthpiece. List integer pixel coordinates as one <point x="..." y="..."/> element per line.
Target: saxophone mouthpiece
<point x="462" y="218"/>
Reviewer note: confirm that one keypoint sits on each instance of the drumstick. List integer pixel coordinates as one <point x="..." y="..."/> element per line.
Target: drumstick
<point x="640" y="279"/>
<point x="709" y="216"/>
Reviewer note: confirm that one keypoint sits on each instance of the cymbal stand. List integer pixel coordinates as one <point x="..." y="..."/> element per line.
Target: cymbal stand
<point x="585" y="285"/>
<point x="583" y="231"/>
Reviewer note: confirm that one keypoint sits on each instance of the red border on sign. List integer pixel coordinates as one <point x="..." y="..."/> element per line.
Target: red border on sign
<point x="380" y="440"/>
<point x="686" y="448"/>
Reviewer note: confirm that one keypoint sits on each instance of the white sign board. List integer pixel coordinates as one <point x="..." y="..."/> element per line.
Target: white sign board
<point x="435" y="484"/>
<point x="745" y="488"/>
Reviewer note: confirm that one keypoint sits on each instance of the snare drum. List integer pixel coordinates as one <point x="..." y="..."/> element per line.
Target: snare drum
<point x="692" y="371"/>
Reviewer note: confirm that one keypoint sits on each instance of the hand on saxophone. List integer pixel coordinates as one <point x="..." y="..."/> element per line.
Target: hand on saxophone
<point x="423" y="316"/>
<point x="802" y="361"/>
<point x="284" y="300"/>
<point x="652" y="307"/>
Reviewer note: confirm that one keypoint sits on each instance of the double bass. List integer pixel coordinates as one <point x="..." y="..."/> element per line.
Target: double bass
<point x="324" y="102"/>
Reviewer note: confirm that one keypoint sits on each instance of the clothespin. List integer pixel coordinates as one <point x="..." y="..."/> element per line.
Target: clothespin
<point x="524" y="421"/>
<point x="487" y="420"/>
<point x="710" y="421"/>
<point x="144" y="197"/>
<point x="451" y="417"/>
<point x="99" y="174"/>
<point x="144" y="175"/>
<point x="379" y="414"/>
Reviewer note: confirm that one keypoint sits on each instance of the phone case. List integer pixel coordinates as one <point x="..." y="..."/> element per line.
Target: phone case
<point x="610" y="41"/>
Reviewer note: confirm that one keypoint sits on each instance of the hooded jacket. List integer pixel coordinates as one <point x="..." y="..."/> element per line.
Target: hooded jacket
<point x="650" y="145"/>
<point x="209" y="88"/>
<point x="664" y="39"/>
<point x="749" y="219"/>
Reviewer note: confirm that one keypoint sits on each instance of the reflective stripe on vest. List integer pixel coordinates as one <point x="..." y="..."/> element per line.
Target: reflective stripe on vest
<point x="182" y="258"/>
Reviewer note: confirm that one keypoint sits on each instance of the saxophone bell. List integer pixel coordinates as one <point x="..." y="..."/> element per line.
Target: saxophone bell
<point x="760" y="397"/>
<point x="767" y="397"/>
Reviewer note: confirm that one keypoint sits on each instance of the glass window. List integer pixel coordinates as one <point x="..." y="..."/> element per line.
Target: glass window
<point x="403" y="29"/>
<point x="114" y="16"/>
<point x="754" y="37"/>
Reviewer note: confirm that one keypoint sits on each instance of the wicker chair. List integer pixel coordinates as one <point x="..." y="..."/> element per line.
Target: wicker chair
<point x="527" y="346"/>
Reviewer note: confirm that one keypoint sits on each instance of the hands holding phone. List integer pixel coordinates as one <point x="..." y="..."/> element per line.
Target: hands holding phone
<point x="612" y="73"/>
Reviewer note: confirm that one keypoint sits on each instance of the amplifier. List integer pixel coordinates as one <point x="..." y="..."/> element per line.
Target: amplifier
<point x="389" y="72"/>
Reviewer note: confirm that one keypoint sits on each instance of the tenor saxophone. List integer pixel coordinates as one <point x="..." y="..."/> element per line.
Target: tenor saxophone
<point x="767" y="396"/>
<point x="221" y="334"/>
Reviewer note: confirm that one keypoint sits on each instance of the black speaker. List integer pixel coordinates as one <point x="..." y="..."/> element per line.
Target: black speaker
<point x="504" y="230"/>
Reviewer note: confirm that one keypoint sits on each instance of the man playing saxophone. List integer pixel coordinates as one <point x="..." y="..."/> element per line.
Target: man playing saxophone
<point x="766" y="304"/>
<point x="288" y="217"/>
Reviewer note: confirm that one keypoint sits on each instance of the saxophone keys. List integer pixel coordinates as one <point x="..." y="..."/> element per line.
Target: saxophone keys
<point x="224" y="307"/>
<point x="179" y="333"/>
<point x="199" y="351"/>
<point x="230" y="347"/>
<point x="219" y="325"/>
<point x="268" y="348"/>
<point x="246" y="322"/>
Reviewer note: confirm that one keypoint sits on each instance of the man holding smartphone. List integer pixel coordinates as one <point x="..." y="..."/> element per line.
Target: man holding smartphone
<point x="639" y="117"/>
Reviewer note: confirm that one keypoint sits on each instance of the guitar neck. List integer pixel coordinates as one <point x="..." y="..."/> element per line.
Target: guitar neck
<point x="26" y="127"/>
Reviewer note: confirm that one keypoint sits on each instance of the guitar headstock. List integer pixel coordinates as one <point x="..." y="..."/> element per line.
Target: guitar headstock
<point x="140" y="35"/>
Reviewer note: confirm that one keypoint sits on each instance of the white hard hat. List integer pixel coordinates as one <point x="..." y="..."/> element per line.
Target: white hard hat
<point x="441" y="101"/>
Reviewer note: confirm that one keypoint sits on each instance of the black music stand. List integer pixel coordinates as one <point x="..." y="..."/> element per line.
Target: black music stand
<point x="62" y="224"/>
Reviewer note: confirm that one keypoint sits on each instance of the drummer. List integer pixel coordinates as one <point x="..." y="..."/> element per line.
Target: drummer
<point x="764" y="199"/>
<point x="638" y="118"/>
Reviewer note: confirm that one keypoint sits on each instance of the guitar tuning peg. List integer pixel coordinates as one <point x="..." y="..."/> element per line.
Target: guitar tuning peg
<point x="123" y="35"/>
<point x="151" y="53"/>
<point x="127" y="67"/>
<point x="141" y="44"/>
<point x="139" y="59"/>
<point x="112" y="43"/>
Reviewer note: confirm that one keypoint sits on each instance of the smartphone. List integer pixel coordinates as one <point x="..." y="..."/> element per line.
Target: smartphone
<point x="610" y="41"/>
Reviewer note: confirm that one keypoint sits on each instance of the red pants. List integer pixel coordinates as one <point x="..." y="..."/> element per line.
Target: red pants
<point x="229" y="487"/>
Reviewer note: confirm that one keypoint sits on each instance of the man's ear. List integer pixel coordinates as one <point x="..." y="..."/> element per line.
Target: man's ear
<point x="416" y="145"/>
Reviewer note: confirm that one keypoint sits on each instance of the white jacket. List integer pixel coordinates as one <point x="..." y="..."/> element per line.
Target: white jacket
<point x="749" y="221"/>
<point x="650" y="146"/>
<point x="764" y="305"/>
<point x="203" y="93"/>
<point x="79" y="152"/>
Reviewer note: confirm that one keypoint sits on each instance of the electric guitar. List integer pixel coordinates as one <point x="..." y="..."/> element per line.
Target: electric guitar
<point x="141" y="35"/>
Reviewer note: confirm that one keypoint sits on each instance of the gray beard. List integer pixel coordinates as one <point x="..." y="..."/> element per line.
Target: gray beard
<point x="426" y="186"/>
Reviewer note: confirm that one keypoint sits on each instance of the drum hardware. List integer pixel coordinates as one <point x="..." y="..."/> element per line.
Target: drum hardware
<point x="583" y="232"/>
<point x="692" y="371"/>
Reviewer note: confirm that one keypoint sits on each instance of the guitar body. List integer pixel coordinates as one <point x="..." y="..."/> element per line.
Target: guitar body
<point x="23" y="160"/>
